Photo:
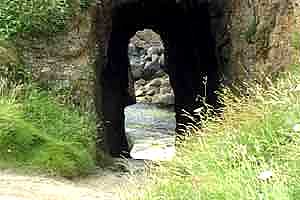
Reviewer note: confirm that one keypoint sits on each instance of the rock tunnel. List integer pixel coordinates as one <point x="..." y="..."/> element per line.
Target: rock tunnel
<point x="185" y="29"/>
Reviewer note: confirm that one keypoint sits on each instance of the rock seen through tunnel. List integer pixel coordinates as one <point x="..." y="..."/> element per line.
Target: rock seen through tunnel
<point x="189" y="59"/>
<point x="148" y="72"/>
<point x="150" y="123"/>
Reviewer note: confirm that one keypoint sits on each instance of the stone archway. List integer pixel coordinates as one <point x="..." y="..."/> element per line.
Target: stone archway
<point x="190" y="57"/>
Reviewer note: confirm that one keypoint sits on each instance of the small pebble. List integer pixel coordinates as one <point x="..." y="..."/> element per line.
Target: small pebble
<point x="296" y="128"/>
<point x="265" y="175"/>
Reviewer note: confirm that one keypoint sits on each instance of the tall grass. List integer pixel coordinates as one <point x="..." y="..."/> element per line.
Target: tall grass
<point x="37" y="132"/>
<point x="227" y="157"/>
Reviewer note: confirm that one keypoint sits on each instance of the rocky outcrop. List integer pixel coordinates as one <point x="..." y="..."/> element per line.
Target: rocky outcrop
<point x="66" y="61"/>
<point x="156" y="91"/>
<point x="252" y="39"/>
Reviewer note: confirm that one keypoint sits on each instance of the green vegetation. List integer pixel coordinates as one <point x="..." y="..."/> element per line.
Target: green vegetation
<point x="84" y="4"/>
<point x="249" y="34"/>
<point x="296" y="40"/>
<point x="15" y="73"/>
<point x="36" y="17"/>
<point x="225" y="159"/>
<point x="32" y="17"/>
<point x="37" y="132"/>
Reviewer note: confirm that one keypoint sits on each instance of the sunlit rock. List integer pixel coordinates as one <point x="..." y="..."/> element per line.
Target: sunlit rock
<point x="265" y="175"/>
<point x="155" y="152"/>
<point x="296" y="128"/>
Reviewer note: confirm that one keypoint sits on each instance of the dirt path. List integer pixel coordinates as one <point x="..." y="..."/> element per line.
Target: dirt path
<point x="150" y="130"/>
<point x="104" y="185"/>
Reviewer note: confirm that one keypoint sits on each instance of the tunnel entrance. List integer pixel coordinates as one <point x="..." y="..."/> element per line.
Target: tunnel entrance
<point x="189" y="55"/>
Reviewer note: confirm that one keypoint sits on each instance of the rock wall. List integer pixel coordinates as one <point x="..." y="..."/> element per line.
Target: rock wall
<point x="254" y="37"/>
<point x="65" y="62"/>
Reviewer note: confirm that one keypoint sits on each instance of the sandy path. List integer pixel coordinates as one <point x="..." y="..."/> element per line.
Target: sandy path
<point x="104" y="185"/>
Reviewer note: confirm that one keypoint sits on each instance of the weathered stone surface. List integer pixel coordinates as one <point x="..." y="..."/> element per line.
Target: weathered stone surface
<point x="139" y="93"/>
<point x="253" y="37"/>
<point x="155" y="82"/>
<point x="157" y="91"/>
<point x="164" y="99"/>
<point x="144" y="39"/>
<point x="146" y="54"/>
<point x="65" y="61"/>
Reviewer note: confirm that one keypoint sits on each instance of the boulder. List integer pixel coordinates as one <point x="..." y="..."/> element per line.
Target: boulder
<point x="139" y="93"/>
<point x="155" y="50"/>
<point x="165" y="90"/>
<point x="140" y="82"/>
<point x="164" y="99"/>
<point x="137" y="70"/>
<point x="155" y="82"/>
<point x="151" y="92"/>
<point x="162" y="62"/>
<point x="150" y="69"/>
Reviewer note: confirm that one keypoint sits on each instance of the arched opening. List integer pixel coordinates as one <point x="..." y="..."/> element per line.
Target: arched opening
<point x="189" y="53"/>
<point x="150" y="123"/>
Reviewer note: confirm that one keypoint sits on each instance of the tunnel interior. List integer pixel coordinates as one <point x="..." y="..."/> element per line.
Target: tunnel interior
<point x="190" y="61"/>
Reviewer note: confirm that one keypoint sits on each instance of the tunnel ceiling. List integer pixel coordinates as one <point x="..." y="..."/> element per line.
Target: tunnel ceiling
<point x="158" y="15"/>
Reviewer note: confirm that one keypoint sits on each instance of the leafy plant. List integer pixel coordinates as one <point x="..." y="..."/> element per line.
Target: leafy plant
<point x="249" y="34"/>
<point x="84" y="4"/>
<point x="296" y="40"/>
<point x="38" y="17"/>
<point x="14" y="73"/>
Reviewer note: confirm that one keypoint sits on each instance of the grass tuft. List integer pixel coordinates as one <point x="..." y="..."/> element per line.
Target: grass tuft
<point x="36" y="132"/>
<point x="257" y="133"/>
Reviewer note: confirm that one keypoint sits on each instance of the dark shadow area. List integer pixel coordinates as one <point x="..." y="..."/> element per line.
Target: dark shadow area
<point x="190" y="60"/>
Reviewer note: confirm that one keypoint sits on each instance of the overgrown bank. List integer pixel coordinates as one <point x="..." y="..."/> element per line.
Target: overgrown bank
<point x="39" y="133"/>
<point x="37" y="18"/>
<point x="251" y="152"/>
